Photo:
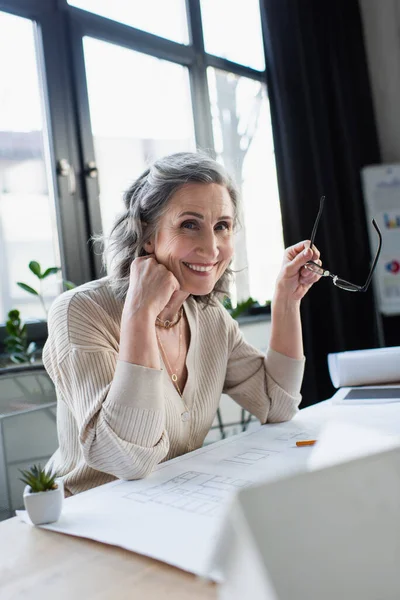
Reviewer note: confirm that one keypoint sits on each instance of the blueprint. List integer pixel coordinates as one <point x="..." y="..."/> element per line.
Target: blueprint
<point x="175" y="514"/>
<point x="192" y="491"/>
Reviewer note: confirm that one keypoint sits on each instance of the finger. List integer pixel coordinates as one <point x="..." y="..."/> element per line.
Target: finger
<point x="293" y="251"/>
<point x="294" y="266"/>
<point x="309" y="275"/>
<point x="296" y="248"/>
<point x="313" y="276"/>
<point x="140" y="259"/>
<point x="305" y="270"/>
<point x="173" y="296"/>
<point x="307" y="279"/>
<point x="310" y="280"/>
<point x="172" y="280"/>
<point x="316" y="253"/>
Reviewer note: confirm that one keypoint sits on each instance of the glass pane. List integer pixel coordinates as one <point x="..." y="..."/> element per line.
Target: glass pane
<point x="243" y="143"/>
<point x="232" y="30"/>
<point x="27" y="217"/>
<point x="134" y="119"/>
<point x="166" y="18"/>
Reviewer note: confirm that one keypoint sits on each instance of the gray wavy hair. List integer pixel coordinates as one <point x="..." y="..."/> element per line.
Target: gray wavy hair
<point x="146" y="201"/>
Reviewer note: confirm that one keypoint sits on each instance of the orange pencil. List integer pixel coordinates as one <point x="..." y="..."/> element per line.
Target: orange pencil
<point x="306" y="443"/>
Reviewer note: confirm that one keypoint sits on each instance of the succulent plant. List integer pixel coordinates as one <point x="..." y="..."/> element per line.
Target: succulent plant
<point x="38" y="479"/>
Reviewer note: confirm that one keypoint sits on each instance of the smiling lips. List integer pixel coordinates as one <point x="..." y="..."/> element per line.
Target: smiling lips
<point x="200" y="268"/>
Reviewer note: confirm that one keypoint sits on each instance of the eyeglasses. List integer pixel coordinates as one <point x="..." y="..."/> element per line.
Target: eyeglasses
<point x="342" y="283"/>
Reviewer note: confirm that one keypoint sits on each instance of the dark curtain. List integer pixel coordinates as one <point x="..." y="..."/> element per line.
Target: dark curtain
<point x="324" y="133"/>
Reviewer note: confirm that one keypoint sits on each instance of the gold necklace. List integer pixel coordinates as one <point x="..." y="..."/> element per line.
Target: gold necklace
<point x="173" y="374"/>
<point x="168" y="324"/>
<point x="185" y="416"/>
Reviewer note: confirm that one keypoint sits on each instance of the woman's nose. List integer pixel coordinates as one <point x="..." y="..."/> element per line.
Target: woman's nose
<point x="208" y="245"/>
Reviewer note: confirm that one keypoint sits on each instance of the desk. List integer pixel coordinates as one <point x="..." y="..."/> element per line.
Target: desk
<point x="43" y="565"/>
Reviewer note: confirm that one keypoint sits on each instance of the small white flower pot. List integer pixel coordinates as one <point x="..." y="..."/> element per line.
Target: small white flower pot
<point x="44" y="507"/>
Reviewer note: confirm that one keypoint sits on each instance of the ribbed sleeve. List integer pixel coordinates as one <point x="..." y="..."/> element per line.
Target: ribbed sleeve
<point x="118" y="435"/>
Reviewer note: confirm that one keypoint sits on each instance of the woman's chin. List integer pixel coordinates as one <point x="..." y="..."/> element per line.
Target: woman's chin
<point x="198" y="290"/>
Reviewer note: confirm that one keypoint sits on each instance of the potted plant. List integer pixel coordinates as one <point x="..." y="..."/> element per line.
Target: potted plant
<point x="16" y="342"/>
<point x="247" y="307"/>
<point x="18" y="350"/>
<point x="43" y="495"/>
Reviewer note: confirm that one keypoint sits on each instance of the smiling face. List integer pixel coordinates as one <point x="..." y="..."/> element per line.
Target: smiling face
<point x="194" y="238"/>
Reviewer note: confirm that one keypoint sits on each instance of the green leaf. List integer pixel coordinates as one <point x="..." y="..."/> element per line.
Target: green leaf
<point x="242" y="307"/>
<point x="35" y="268"/>
<point x="31" y="348"/>
<point x="227" y="303"/>
<point x="18" y="347"/>
<point x="13" y="315"/>
<point x="18" y="358"/>
<point x="12" y="338"/>
<point x="27" y="288"/>
<point x="38" y="479"/>
<point x="51" y="271"/>
<point x="14" y="322"/>
<point x="68" y="284"/>
<point x="11" y="328"/>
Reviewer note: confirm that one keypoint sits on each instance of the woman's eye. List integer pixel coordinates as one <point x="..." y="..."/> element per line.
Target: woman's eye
<point x="189" y="225"/>
<point x="223" y="225"/>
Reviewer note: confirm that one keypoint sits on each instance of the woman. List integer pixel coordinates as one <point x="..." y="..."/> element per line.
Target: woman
<point x="140" y="358"/>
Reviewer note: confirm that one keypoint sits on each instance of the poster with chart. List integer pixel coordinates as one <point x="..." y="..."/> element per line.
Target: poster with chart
<point x="381" y="185"/>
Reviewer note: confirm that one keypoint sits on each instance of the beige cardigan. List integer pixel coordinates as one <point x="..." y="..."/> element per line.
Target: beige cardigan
<point x="119" y="420"/>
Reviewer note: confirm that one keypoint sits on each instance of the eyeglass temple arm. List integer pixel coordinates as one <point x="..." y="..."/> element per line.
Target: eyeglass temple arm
<point x="314" y="231"/>
<point x="366" y="284"/>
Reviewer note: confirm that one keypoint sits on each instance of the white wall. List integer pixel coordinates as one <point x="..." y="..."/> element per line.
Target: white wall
<point x="381" y="24"/>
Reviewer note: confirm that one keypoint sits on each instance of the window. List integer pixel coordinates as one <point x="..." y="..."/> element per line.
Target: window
<point x="107" y="95"/>
<point x="232" y="30"/>
<point x="166" y="18"/>
<point x="243" y="143"/>
<point x="151" y="116"/>
<point x="27" y="216"/>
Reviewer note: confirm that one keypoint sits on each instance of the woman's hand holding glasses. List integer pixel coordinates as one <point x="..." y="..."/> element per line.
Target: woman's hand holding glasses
<point x="315" y="266"/>
<point x="294" y="280"/>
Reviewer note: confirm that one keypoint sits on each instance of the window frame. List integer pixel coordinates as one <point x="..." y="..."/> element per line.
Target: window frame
<point x="62" y="28"/>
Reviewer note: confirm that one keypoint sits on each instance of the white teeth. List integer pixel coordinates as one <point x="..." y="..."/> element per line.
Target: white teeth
<point x="197" y="268"/>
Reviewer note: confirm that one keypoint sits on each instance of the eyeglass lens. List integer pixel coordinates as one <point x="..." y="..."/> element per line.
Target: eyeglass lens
<point x="312" y="266"/>
<point x="340" y="283"/>
<point x="345" y="285"/>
